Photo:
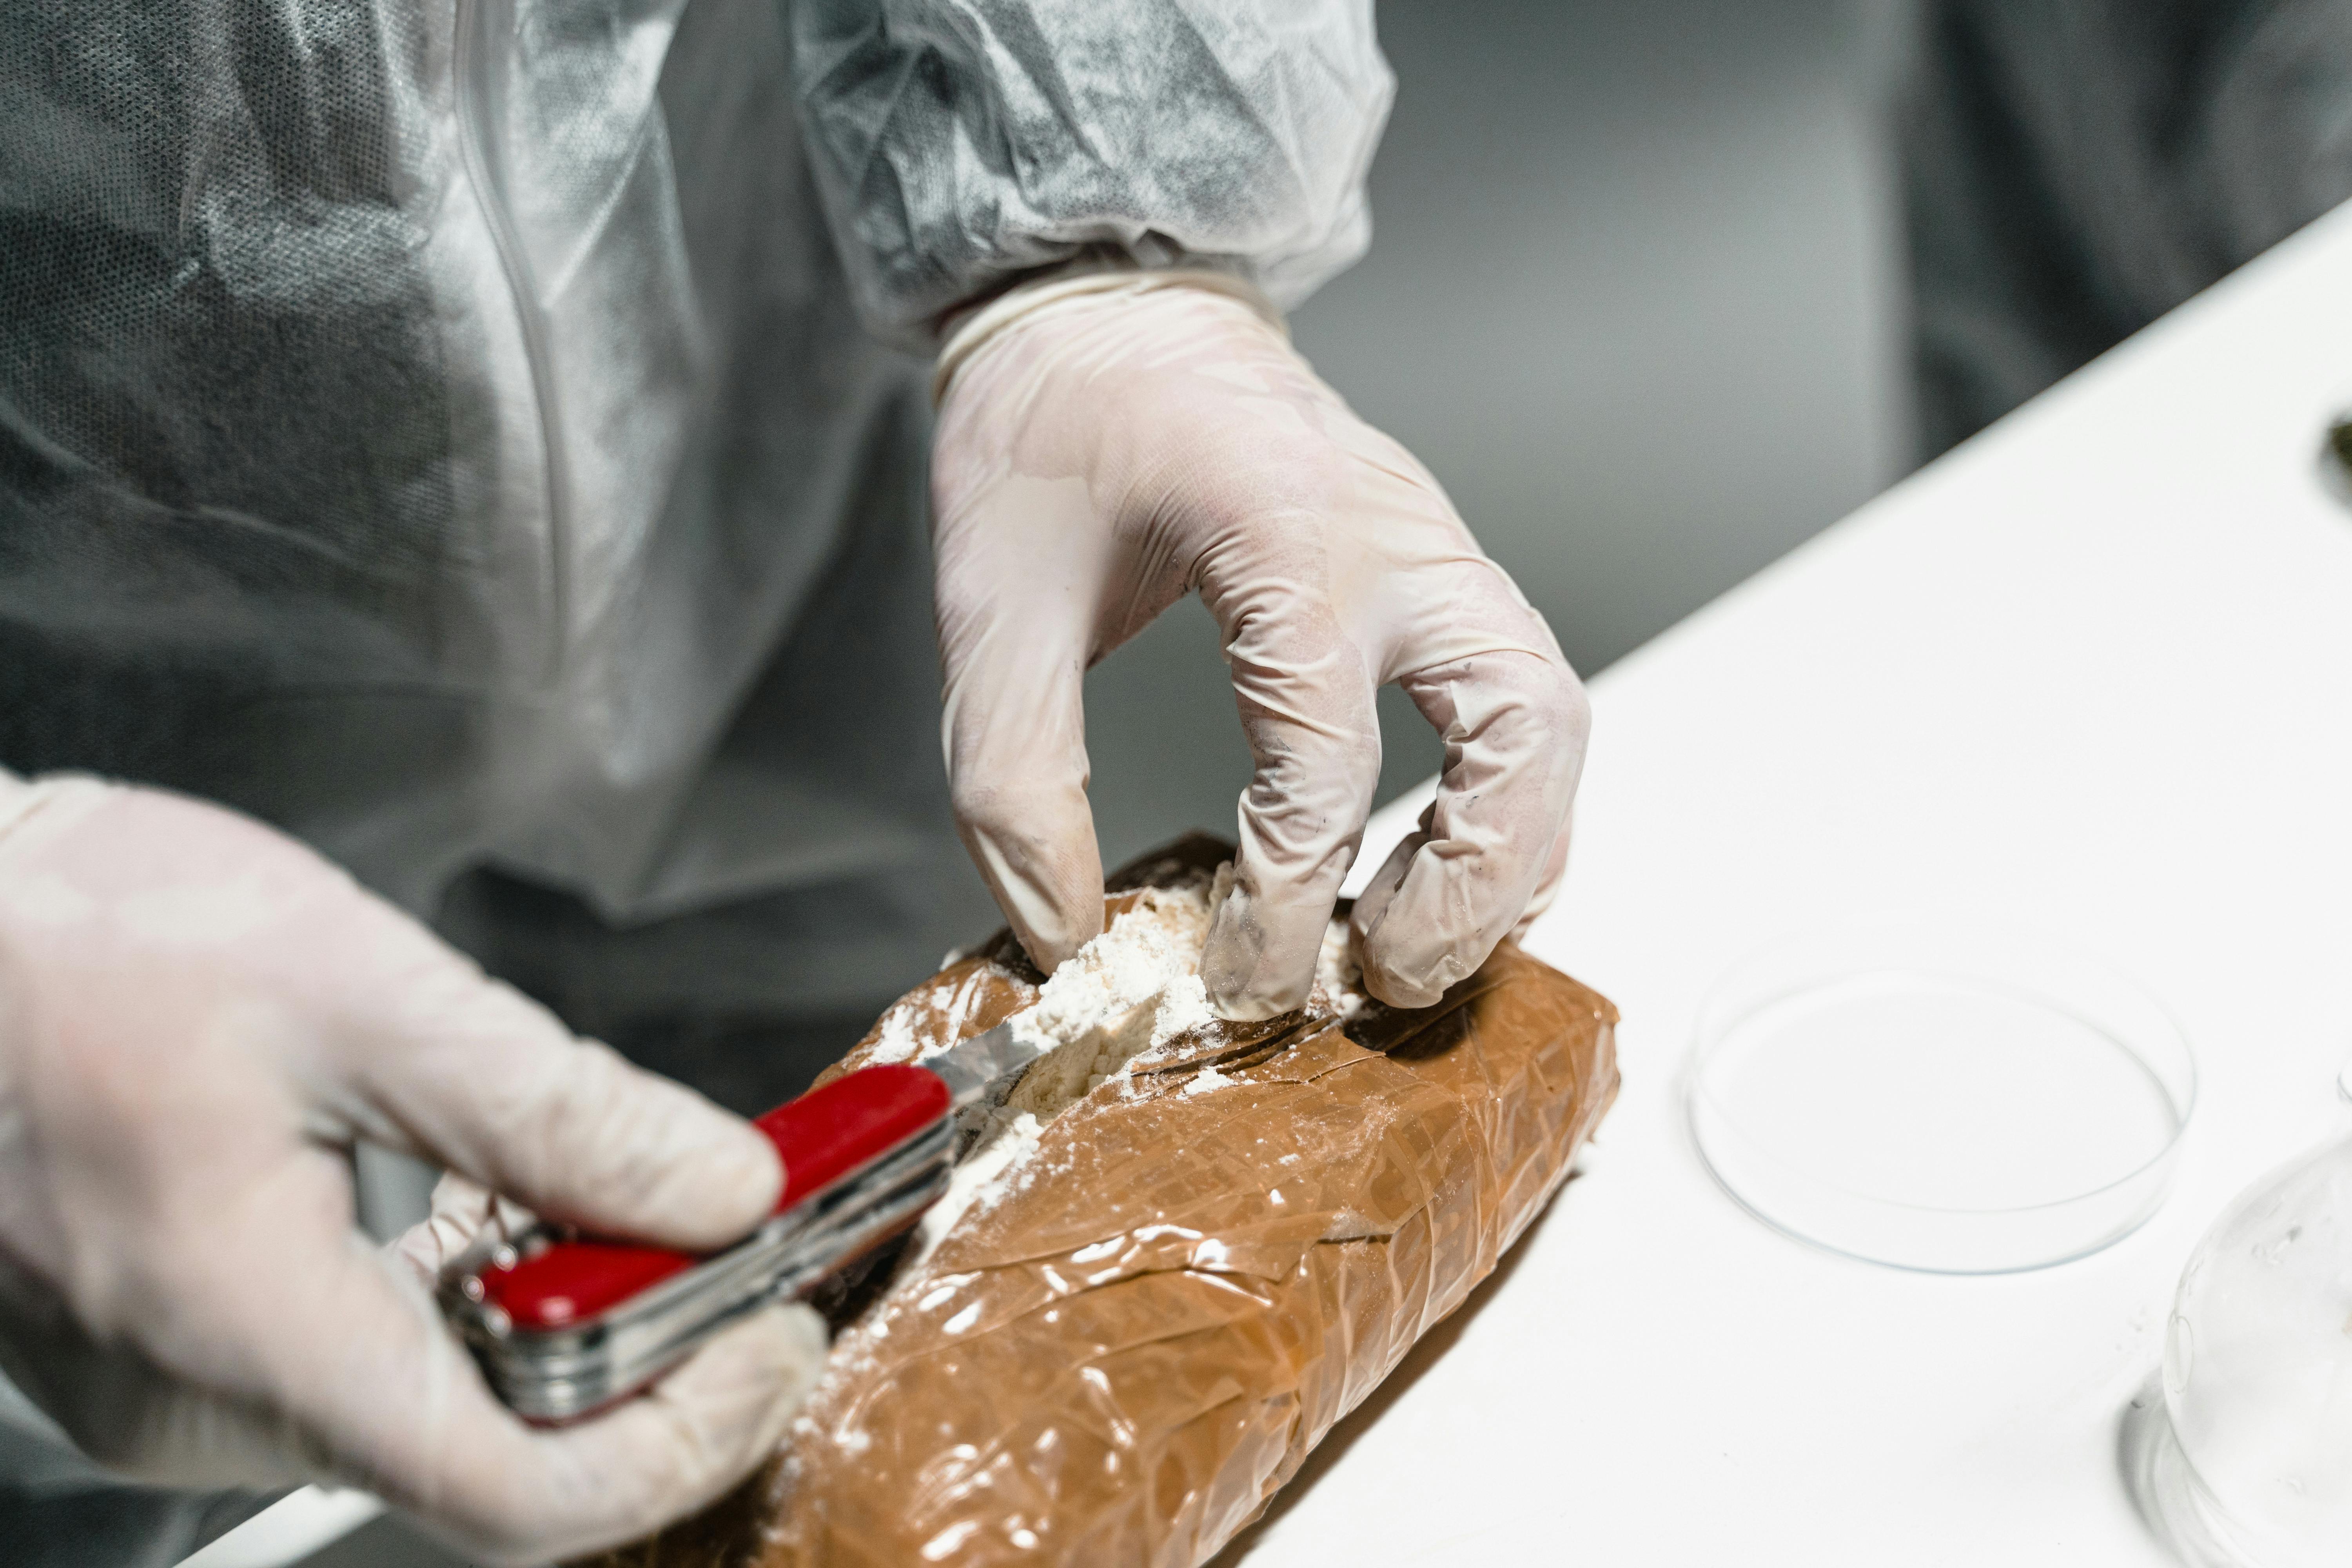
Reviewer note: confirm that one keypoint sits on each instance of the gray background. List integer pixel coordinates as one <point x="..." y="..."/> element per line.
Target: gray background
<point x="1633" y="296"/>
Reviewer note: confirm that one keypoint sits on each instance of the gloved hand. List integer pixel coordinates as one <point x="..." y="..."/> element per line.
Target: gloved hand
<point x="197" y="1017"/>
<point x="1106" y="445"/>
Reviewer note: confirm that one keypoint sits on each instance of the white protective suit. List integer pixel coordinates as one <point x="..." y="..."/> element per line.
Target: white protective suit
<point x="480" y="437"/>
<point x="454" y="432"/>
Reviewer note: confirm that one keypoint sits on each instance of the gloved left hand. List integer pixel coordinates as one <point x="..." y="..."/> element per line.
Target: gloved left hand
<point x="198" y="1016"/>
<point x="1106" y="445"/>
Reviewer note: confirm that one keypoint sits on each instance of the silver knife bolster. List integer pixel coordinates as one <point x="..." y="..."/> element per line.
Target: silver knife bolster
<point x="969" y="1068"/>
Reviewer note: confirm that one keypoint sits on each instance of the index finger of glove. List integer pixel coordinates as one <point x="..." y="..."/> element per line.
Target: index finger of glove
<point x="1018" y="575"/>
<point x="474" y="1075"/>
<point x="220" y="933"/>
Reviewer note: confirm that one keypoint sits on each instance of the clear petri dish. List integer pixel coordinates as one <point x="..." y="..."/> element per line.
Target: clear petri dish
<point x="1941" y="1096"/>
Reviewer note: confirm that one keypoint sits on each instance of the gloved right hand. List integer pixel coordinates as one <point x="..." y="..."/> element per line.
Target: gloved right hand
<point x="1107" y="442"/>
<point x="197" y="1018"/>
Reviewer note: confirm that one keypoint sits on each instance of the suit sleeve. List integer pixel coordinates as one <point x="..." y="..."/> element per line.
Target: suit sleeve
<point x="963" y="144"/>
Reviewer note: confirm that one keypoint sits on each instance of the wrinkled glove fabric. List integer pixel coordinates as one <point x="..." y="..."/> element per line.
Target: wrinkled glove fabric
<point x="197" y="1019"/>
<point x="1109" y="443"/>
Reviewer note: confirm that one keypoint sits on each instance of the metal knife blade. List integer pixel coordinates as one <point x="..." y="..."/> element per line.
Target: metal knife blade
<point x="969" y="1068"/>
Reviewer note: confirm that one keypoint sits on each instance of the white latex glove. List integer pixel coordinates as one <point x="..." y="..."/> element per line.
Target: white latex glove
<point x="197" y="1017"/>
<point x="1107" y="444"/>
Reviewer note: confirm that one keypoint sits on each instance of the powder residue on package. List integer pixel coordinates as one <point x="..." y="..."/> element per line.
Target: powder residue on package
<point x="1136" y="985"/>
<point x="1135" y="988"/>
<point x="939" y="1004"/>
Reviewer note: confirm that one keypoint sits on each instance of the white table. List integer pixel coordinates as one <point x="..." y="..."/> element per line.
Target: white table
<point x="2093" y="672"/>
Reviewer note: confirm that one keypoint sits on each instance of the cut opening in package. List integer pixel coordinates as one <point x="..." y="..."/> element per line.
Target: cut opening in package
<point x="1175" y="1253"/>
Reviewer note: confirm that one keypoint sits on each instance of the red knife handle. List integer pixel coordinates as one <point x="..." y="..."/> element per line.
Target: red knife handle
<point x="823" y="1136"/>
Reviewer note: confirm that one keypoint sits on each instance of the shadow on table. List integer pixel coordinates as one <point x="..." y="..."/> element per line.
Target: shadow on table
<point x="1425" y="1353"/>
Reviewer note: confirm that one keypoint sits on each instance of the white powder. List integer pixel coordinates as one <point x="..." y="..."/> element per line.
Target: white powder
<point x="1336" y="972"/>
<point x="1145" y="950"/>
<point x="943" y="1005"/>
<point x="1204" y="1081"/>
<point x="897" y="1041"/>
<point x="1184" y="1006"/>
<point x="1132" y="989"/>
<point x="981" y="1178"/>
<point x="1135" y="986"/>
<point x="995" y="1167"/>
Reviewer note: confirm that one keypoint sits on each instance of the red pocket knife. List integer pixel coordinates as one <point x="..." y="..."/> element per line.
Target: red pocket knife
<point x="566" y="1324"/>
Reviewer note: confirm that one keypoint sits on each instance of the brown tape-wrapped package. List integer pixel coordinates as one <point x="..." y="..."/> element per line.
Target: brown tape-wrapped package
<point x="1193" y="1274"/>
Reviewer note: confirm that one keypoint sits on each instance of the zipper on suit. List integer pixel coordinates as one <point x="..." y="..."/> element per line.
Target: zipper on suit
<point x="475" y="57"/>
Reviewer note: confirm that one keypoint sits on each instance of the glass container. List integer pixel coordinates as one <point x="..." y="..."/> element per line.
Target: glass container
<point x="1945" y="1095"/>
<point x="2246" y="1461"/>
